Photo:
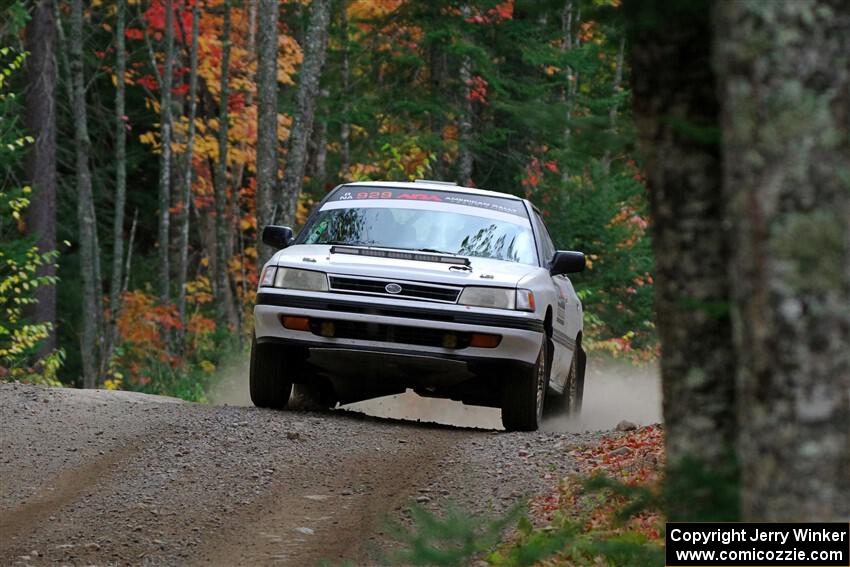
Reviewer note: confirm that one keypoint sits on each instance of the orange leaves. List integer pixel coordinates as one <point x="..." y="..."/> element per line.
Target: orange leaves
<point x="534" y="172"/>
<point x="477" y="89"/>
<point x="635" y="459"/>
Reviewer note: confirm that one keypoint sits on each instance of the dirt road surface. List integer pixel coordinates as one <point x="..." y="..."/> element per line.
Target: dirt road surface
<point x="115" y="478"/>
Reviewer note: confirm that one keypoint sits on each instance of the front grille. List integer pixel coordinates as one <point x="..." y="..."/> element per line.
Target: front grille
<point x="368" y="286"/>
<point x="390" y="333"/>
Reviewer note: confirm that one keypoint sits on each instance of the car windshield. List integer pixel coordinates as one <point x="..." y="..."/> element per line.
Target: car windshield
<point x="426" y="230"/>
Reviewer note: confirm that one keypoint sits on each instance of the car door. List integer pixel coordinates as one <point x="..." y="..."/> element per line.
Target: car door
<point x="562" y="323"/>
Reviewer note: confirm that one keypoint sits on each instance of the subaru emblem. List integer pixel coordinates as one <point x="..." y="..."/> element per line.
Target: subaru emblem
<point x="392" y="288"/>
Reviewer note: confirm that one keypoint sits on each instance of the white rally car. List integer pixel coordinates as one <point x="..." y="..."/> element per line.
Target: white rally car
<point x="454" y="292"/>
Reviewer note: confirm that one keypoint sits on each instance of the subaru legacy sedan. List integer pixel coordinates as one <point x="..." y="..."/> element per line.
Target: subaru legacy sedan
<point x="449" y="291"/>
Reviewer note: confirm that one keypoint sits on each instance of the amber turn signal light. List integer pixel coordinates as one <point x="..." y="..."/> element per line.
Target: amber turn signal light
<point x="481" y="340"/>
<point x="296" y="323"/>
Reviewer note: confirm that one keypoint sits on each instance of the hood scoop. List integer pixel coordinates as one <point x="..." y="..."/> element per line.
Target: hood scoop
<point x="394" y="254"/>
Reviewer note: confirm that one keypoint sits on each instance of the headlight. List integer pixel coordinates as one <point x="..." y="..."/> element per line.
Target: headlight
<point x="307" y="280"/>
<point x="495" y="297"/>
<point x="498" y="298"/>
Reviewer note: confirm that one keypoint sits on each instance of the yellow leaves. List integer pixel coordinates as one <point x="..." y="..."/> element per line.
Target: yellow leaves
<point x="149" y="138"/>
<point x="289" y="57"/>
<point x="371" y="9"/>
<point x="113" y="383"/>
<point x="207" y="366"/>
<point x="199" y="291"/>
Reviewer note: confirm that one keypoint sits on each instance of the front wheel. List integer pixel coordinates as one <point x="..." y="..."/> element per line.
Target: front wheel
<point x="523" y="396"/>
<point x="269" y="385"/>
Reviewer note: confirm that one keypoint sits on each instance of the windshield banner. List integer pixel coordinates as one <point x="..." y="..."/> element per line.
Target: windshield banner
<point x="354" y="193"/>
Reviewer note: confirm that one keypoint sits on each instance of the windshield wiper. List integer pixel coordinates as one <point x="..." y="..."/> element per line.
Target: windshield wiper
<point x="347" y="243"/>
<point x="432" y="250"/>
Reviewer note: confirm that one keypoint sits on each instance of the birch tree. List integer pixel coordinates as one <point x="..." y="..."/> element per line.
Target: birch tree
<point x="785" y="83"/>
<point x="315" y="44"/>
<point x="222" y="287"/>
<point x="120" y="175"/>
<point x="186" y="198"/>
<point x="41" y="160"/>
<point x="85" y="206"/>
<point x="165" y="155"/>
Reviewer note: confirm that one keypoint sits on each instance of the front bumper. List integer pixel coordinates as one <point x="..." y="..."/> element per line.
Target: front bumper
<point x="521" y="333"/>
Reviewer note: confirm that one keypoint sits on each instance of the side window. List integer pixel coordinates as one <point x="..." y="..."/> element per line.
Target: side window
<point x="548" y="247"/>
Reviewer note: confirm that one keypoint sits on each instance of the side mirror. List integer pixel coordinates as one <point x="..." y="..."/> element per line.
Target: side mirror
<point x="277" y="237"/>
<point x="566" y="262"/>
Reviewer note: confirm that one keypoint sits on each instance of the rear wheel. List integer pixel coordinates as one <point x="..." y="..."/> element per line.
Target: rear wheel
<point x="269" y="384"/>
<point x="523" y="396"/>
<point x="568" y="403"/>
<point x="580" y="367"/>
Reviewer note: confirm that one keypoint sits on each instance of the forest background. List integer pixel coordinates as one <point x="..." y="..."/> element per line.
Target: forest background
<point x="143" y="144"/>
<point x="146" y="143"/>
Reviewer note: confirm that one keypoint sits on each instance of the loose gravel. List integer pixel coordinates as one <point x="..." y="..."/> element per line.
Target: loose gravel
<point x="116" y="478"/>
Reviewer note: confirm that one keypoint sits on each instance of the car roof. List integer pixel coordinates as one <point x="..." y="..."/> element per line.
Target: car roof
<point x="431" y="185"/>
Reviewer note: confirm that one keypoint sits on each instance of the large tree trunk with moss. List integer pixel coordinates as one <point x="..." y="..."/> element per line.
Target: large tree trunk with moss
<point x="785" y="69"/>
<point x="308" y="90"/>
<point x="41" y="160"/>
<point x="85" y="208"/>
<point x="267" y="140"/>
<point x="677" y="113"/>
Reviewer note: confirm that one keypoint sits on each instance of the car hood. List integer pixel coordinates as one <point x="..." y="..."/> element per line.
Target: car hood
<point x="483" y="271"/>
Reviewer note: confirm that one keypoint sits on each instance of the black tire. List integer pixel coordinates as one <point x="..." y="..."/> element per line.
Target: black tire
<point x="523" y="396"/>
<point x="568" y="403"/>
<point x="268" y="380"/>
<point x="581" y="366"/>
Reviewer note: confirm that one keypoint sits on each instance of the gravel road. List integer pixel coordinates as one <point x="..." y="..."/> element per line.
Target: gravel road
<point x="115" y="478"/>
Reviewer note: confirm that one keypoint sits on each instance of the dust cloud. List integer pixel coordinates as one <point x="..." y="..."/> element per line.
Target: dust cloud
<point x="614" y="390"/>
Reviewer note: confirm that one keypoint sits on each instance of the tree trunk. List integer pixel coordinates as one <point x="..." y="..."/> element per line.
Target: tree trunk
<point x="183" y="258"/>
<point x="120" y="179"/>
<point x="436" y="118"/>
<point x="345" y="126"/>
<point x="786" y="132"/>
<point x="165" y="157"/>
<point x="223" y="296"/>
<point x="568" y="93"/>
<point x="267" y="139"/>
<point x="464" y="160"/>
<point x="302" y="123"/>
<point x="41" y="159"/>
<point x="612" y="112"/>
<point x="320" y="147"/>
<point x="676" y="112"/>
<point x="85" y="208"/>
